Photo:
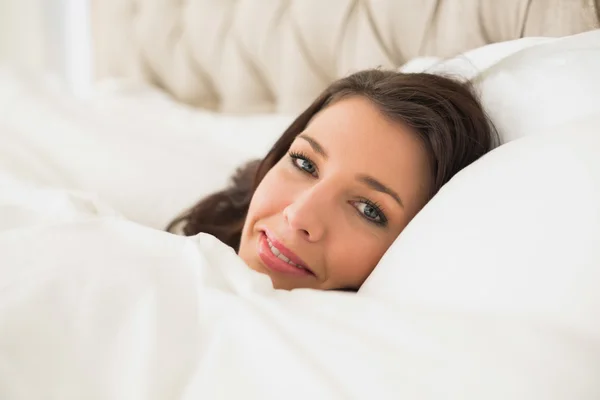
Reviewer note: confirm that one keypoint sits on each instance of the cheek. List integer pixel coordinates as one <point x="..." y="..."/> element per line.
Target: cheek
<point x="355" y="257"/>
<point x="271" y="196"/>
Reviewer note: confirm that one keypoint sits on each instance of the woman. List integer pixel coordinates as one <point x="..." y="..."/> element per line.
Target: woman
<point x="335" y="191"/>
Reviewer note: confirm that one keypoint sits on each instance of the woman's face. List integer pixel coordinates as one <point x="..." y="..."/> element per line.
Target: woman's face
<point x="325" y="214"/>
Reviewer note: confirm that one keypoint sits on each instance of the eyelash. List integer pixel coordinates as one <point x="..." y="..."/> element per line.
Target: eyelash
<point x="302" y="156"/>
<point x="378" y="208"/>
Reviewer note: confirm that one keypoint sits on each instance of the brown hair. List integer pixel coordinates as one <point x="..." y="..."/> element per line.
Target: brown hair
<point x="445" y="113"/>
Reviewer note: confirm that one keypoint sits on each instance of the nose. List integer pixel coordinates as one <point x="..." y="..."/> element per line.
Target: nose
<point x="307" y="215"/>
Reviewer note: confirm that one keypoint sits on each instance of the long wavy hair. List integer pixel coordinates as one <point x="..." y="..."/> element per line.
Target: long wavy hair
<point x="445" y="113"/>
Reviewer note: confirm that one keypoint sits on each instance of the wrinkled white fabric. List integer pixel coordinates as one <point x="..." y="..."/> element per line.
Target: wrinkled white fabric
<point x="94" y="306"/>
<point x="145" y="155"/>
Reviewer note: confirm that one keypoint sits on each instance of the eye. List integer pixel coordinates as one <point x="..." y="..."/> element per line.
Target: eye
<point x="371" y="211"/>
<point x="303" y="163"/>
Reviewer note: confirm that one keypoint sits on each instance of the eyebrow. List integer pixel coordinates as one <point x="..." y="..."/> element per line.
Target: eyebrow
<point x="315" y="145"/>
<point x="380" y="187"/>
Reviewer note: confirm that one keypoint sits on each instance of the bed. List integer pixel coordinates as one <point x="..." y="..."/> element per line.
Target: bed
<point x="496" y="299"/>
<point x="276" y="55"/>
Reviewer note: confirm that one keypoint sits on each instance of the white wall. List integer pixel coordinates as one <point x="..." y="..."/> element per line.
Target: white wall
<point x="48" y="36"/>
<point x="21" y="33"/>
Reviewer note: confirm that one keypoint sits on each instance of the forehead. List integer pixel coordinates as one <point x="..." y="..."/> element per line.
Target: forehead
<point x="353" y="131"/>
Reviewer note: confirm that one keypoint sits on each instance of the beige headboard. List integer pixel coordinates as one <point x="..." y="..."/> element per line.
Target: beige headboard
<point x="245" y="56"/>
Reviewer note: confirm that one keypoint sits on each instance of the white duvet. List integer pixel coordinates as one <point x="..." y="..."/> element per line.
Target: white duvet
<point x="93" y="306"/>
<point x="96" y="302"/>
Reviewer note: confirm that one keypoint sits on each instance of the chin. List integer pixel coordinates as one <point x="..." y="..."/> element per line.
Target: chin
<point x="281" y="285"/>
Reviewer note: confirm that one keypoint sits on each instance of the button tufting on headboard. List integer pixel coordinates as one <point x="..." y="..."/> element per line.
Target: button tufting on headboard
<point x="246" y="56"/>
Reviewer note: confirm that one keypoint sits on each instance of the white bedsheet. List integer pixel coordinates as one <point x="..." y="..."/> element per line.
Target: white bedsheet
<point x="93" y="306"/>
<point x="146" y="156"/>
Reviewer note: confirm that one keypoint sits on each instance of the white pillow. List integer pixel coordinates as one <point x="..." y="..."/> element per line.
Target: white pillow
<point x="517" y="232"/>
<point x="512" y="245"/>
<point x="537" y="88"/>
<point x="528" y="85"/>
<point x="514" y="239"/>
<point x="471" y="63"/>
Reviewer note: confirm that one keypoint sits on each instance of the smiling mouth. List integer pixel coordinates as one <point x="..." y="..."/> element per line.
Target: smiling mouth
<point x="278" y="254"/>
<point x="278" y="258"/>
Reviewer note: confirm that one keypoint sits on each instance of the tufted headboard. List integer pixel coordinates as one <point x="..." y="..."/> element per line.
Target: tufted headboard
<point x="244" y="56"/>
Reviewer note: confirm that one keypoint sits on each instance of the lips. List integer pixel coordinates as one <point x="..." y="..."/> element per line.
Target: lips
<point x="279" y="258"/>
<point x="290" y="255"/>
